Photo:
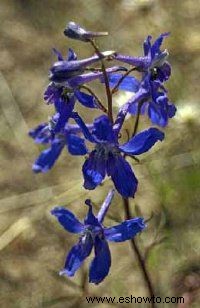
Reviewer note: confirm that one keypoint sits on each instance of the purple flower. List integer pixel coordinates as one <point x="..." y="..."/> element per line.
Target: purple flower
<point x="69" y="137"/>
<point x="75" y="31"/>
<point x="94" y="235"/>
<point x="108" y="156"/>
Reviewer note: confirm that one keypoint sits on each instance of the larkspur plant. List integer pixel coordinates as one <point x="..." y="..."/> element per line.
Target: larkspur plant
<point x="69" y="79"/>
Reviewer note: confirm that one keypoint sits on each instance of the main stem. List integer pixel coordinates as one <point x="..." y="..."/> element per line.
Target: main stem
<point x="107" y="86"/>
<point x="138" y="254"/>
<point x="134" y="246"/>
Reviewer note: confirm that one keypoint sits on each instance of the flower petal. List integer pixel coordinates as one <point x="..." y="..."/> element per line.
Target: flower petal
<point x="129" y="83"/>
<point x="100" y="265"/>
<point x="171" y="110"/>
<point x="48" y="157"/>
<point x="52" y="93"/>
<point x="77" y="255"/>
<point x="142" y="142"/>
<point x="83" y="127"/>
<point x="164" y="72"/>
<point x="122" y="175"/>
<point x="133" y="109"/>
<point x="58" y="54"/>
<point x="158" y="114"/>
<point x="155" y="48"/>
<point x="90" y="218"/>
<point x="65" y="109"/>
<point x="103" y="129"/>
<point x="86" y="99"/>
<point x="94" y="169"/>
<point x="67" y="220"/>
<point x="71" y="55"/>
<point x="41" y="134"/>
<point x="147" y="45"/>
<point x="76" y="145"/>
<point x="125" y="231"/>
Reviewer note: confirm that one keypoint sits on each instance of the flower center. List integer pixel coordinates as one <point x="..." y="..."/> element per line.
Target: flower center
<point x="103" y="150"/>
<point x="90" y="233"/>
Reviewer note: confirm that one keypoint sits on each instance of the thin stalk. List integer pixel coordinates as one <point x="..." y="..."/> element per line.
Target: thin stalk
<point x="137" y="118"/>
<point x="138" y="254"/>
<point x="101" y="106"/>
<point x="141" y="260"/>
<point x="108" y="91"/>
<point x="115" y="89"/>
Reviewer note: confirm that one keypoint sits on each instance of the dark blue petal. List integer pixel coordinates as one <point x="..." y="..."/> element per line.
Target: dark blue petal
<point x="133" y="109"/>
<point x="94" y="169"/>
<point x="100" y="265"/>
<point x="77" y="255"/>
<point x="76" y="145"/>
<point x="125" y="231"/>
<point x="41" y="134"/>
<point x="83" y="127"/>
<point x="48" y="157"/>
<point x="52" y="93"/>
<point x="129" y="83"/>
<point x="103" y="129"/>
<point x="34" y="132"/>
<point x="67" y="220"/>
<point x="164" y="72"/>
<point x="122" y="175"/>
<point x="90" y="219"/>
<point x="58" y="54"/>
<point x="171" y="110"/>
<point x="86" y="99"/>
<point x="157" y="44"/>
<point x="143" y="94"/>
<point x="142" y="142"/>
<point x="65" y="109"/>
<point x="158" y="115"/>
<point x="147" y="45"/>
<point x="71" y="55"/>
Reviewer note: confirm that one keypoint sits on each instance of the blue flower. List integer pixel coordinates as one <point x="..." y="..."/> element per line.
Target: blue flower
<point x="108" y="156"/>
<point x="153" y="61"/>
<point x="69" y="137"/>
<point x="63" y="70"/>
<point x="63" y="93"/>
<point x="149" y="92"/>
<point x="94" y="235"/>
<point x="153" y="97"/>
<point x="75" y="31"/>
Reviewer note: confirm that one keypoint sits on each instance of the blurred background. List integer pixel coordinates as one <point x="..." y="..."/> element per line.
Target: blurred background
<point x="32" y="244"/>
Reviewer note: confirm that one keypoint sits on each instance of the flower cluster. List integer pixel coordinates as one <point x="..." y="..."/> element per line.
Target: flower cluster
<point x="99" y="140"/>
